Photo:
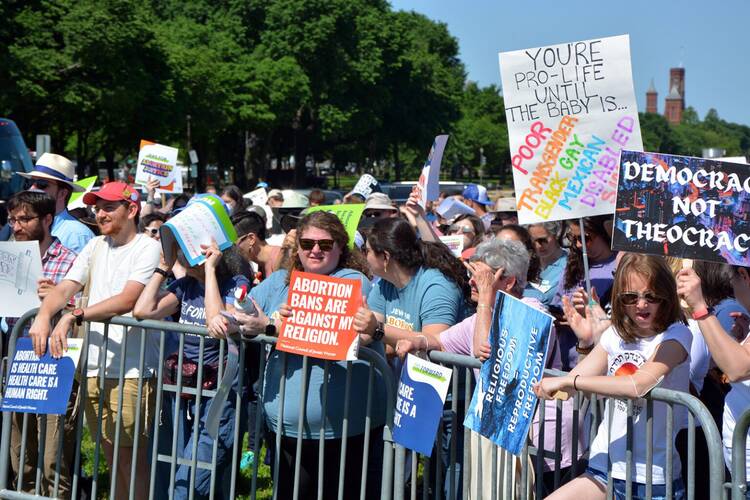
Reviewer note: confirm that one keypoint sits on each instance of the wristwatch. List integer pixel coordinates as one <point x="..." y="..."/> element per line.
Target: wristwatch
<point x="161" y="271"/>
<point x="379" y="332"/>
<point x="270" y="329"/>
<point x="78" y="315"/>
<point x="703" y="313"/>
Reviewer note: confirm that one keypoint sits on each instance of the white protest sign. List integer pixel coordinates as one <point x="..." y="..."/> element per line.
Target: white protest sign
<point x="570" y="110"/>
<point x="259" y="197"/>
<point x="455" y="243"/>
<point x="429" y="180"/>
<point x="366" y="185"/>
<point x="176" y="188"/>
<point x="20" y="268"/>
<point x="451" y="207"/>
<point x="156" y="161"/>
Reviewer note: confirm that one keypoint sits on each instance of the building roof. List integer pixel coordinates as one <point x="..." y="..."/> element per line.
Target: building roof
<point x="651" y="88"/>
<point x="673" y="93"/>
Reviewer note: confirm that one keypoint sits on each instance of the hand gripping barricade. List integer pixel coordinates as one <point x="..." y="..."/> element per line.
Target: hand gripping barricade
<point x="164" y="466"/>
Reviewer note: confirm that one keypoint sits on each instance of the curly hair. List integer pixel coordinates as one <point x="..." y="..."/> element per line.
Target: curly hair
<point x="350" y="258"/>
<point x="654" y="271"/>
<point x="398" y="238"/>
<point x="595" y="226"/>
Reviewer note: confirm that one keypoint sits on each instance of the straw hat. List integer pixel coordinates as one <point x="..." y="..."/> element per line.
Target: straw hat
<point x="56" y="168"/>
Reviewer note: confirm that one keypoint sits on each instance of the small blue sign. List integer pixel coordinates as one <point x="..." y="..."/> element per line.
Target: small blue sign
<point x="419" y="403"/>
<point x="40" y="385"/>
<point x="503" y="404"/>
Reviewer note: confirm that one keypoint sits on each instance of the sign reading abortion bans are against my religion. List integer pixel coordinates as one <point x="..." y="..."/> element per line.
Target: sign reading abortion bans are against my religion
<point x="570" y="109"/>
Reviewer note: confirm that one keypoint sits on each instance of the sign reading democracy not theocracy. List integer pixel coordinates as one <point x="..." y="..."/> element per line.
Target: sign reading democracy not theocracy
<point x="682" y="206"/>
<point x="323" y="312"/>
<point x="570" y="110"/>
<point x="503" y="404"/>
<point x="40" y="385"/>
<point x="419" y="403"/>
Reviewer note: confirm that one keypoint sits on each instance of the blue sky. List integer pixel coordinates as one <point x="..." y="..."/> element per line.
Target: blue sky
<point x="710" y="39"/>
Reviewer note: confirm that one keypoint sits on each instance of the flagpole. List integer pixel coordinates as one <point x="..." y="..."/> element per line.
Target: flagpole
<point x="586" y="275"/>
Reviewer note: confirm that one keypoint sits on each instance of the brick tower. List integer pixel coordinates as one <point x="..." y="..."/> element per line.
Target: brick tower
<point x="651" y="99"/>
<point x="677" y="79"/>
<point x="673" y="106"/>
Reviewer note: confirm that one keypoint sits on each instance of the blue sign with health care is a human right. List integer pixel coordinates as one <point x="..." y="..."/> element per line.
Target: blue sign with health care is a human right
<point x="503" y="404"/>
<point x="40" y="384"/>
<point x="419" y="403"/>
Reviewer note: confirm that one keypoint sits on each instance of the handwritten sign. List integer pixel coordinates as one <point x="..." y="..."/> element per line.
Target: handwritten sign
<point x="570" y="109"/>
<point x="429" y="180"/>
<point x="20" y="268"/>
<point x="156" y="161"/>
<point x="40" y="385"/>
<point x="366" y="185"/>
<point x="419" y="403"/>
<point x="348" y="213"/>
<point x="205" y="217"/>
<point x="682" y="206"/>
<point x="324" y="309"/>
<point x="503" y="404"/>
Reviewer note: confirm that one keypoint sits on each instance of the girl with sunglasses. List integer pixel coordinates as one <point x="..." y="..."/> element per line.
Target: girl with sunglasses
<point x="647" y="344"/>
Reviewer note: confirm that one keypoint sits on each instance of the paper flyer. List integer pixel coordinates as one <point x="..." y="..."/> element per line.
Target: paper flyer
<point x="156" y="161"/>
<point x="455" y="243"/>
<point x="692" y="208"/>
<point x="40" y="385"/>
<point x="323" y="312"/>
<point x="366" y="185"/>
<point x="348" y="214"/>
<point x="259" y="197"/>
<point x="429" y="180"/>
<point x="20" y="268"/>
<point x="451" y="208"/>
<point x="76" y="199"/>
<point x="205" y="217"/>
<point x="570" y="108"/>
<point x="419" y="403"/>
<point x="504" y="403"/>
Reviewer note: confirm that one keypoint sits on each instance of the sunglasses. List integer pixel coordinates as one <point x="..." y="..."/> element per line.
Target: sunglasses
<point x="460" y="229"/>
<point x="573" y="239"/>
<point x="632" y="298"/>
<point x="542" y="241"/>
<point x="308" y="244"/>
<point x="39" y="183"/>
<point x="374" y="214"/>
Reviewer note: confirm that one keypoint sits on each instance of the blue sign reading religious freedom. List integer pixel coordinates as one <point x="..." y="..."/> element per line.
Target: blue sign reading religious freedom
<point x="419" y="403"/>
<point x="40" y="385"/>
<point x="503" y="404"/>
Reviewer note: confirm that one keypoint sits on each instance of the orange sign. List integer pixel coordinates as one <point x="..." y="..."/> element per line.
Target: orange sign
<point x="323" y="312"/>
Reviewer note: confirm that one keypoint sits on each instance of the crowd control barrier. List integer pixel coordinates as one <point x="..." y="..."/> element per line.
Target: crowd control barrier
<point x="739" y="457"/>
<point x="462" y="466"/>
<point x="164" y="466"/>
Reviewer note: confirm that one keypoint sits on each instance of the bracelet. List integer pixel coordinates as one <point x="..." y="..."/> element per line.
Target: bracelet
<point x="584" y="350"/>
<point x="574" y="383"/>
<point x="479" y="306"/>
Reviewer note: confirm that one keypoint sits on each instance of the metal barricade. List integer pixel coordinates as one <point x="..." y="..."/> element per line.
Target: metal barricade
<point x="168" y="465"/>
<point x="739" y="457"/>
<point x="538" y="470"/>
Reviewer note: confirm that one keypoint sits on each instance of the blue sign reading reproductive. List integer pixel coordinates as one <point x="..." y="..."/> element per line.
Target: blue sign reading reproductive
<point x="40" y="385"/>
<point x="419" y="404"/>
<point x="503" y="404"/>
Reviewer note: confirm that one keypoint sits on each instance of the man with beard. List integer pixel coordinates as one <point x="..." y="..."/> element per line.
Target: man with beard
<point x="30" y="218"/>
<point x="112" y="270"/>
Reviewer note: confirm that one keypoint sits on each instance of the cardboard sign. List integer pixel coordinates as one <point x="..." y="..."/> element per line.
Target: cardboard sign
<point x="570" y="109"/>
<point x="76" y="199"/>
<point x="451" y="208"/>
<point x="455" y="243"/>
<point x="429" y="180"/>
<point x="503" y="404"/>
<point x="366" y="185"/>
<point x="205" y="217"/>
<point x="682" y="206"/>
<point x="40" y="385"/>
<point x="259" y="197"/>
<point x="324" y="309"/>
<point x="348" y="213"/>
<point x="20" y="268"/>
<point x="419" y="403"/>
<point x="156" y="161"/>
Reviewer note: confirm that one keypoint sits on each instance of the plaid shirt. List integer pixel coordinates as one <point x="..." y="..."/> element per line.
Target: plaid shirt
<point x="56" y="262"/>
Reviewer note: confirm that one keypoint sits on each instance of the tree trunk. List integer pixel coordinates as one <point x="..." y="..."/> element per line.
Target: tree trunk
<point x="396" y="163"/>
<point x="300" y="155"/>
<point x="109" y="156"/>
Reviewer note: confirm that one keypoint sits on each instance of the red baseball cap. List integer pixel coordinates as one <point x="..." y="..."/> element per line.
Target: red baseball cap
<point x="114" y="191"/>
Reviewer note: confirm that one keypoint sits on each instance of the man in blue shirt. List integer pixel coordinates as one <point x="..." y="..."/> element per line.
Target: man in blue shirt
<point x="54" y="175"/>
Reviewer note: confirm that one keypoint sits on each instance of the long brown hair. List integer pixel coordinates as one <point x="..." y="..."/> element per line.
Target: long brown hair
<point x="655" y="271"/>
<point x="350" y="258"/>
<point x="574" y="270"/>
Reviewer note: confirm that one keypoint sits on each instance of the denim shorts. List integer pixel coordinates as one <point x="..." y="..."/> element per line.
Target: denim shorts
<point x="658" y="491"/>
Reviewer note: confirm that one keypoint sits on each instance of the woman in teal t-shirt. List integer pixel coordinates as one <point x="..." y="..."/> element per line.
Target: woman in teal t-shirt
<point x="424" y="288"/>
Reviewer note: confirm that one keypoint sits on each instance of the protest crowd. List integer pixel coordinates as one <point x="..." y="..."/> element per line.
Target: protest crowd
<point x="641" y="321"/>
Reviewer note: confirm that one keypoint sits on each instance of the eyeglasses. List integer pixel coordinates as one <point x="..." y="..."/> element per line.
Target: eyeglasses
<point x="21" y="220"/>
<point x="632" y="298"/>
<point x="574" y="239"/>
<point x="308" y="244"/>
<point x="460" y="229"/>
<point x="40" y="183"/>
<point x="374" y="214"/>
<point x="543" y="241"/>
